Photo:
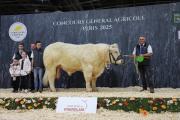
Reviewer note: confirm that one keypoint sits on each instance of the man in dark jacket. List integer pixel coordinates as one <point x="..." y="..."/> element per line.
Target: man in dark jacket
<point x="38" y="66"/>
<point x="31" y="76"/>
<point x="18" y="53"/>
<point x="144" y="50"/>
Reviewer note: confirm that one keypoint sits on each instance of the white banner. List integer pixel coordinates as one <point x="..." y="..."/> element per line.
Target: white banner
<point x="76" y="105"/>
<point x="179" y="34"/>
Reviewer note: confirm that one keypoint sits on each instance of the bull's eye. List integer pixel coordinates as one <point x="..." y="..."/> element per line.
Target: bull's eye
<point x="115" y="52"/>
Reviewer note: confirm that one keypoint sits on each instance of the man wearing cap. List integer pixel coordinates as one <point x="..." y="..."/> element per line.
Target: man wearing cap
<point x="143" y="51"/>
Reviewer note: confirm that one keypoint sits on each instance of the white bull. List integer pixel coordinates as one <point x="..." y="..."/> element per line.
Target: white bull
<point x="91" y="59"/>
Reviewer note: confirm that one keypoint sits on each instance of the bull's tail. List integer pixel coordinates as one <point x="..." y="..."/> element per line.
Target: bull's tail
<point x="45" y="79"/>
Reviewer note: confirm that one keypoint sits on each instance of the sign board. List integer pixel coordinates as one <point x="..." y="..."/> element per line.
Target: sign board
<point x="17" y="31"/>
<point x="76" y="105"/>
<point x="176" y="17"/>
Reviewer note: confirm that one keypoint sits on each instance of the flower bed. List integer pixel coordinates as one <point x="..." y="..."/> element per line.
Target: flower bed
<point x="139" y="105"/>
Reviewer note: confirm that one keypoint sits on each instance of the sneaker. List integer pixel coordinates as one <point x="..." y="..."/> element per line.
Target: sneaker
<point x="34" y="91"/>
<point x="40" y="90"/>
<point x="143" y="90"/>
<point x="22" y="91"/>
<point x="15" y="91"/>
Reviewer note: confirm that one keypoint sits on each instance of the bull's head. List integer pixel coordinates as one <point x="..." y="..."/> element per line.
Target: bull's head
<point x="114" y="54"/>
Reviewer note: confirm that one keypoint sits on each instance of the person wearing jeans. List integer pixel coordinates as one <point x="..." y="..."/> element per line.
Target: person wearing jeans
<point x="38" y="75"/>
<point x="38" y="66"/>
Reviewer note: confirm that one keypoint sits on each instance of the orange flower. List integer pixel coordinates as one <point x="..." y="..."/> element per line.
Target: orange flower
<point x="143" y="112"/>
<point x="125" y="103"/>
<point x="163" y="106"/>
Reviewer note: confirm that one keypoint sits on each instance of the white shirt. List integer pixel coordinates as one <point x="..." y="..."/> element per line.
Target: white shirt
<point x="15" y="70"/>
<point x="149" y="50"/>
<point x="26" y="67"/>
<point x="32" y="55"/>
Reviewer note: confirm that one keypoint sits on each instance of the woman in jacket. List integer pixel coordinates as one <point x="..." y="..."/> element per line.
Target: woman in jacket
<point x="25" y="69"/>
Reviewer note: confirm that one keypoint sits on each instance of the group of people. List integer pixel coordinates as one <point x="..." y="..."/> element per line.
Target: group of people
<point x="27" y="68"/>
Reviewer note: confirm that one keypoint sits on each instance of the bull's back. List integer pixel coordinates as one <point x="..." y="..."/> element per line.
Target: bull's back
<point x="71" y="55"/>
<point x="66" y="55"/>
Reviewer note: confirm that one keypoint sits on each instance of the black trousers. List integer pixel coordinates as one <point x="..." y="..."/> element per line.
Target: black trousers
<point x="15" y="83"/>
<point x="31" y="79"/>
<point x="24" y="82"/>
<point x="146" y="76"/>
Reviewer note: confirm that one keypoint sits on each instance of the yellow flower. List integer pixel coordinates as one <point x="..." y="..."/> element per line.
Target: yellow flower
<point x="2" y="101"/>
<point x="44" y="106"/>
<point x="140" y="110"/>
<point x="29" y="107"/>
<point x="154" y="108"/>
<point x="7" y="104"/>
<point x="143" y="112"/>
<point x="35" y="105"/>
<point x="174" y="99"/>
<point x="150" y="102"/>
<point x="22" y="102"/>
<point x="114" y="102"/>
<point x="163" y="106"/>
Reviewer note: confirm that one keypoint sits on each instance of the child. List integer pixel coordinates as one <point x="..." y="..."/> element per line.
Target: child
<point x="15" y="74"/>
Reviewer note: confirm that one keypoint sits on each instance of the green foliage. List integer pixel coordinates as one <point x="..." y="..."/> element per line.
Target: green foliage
<point x="139" y="105"/>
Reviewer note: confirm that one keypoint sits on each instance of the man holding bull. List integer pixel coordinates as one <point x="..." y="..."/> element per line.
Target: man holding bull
<point x="142" y="54"/>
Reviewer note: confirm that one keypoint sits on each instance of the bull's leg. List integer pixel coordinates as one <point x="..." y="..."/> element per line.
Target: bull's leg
<point x="51" y="78"/>
<point x="94" y="85"/>
<point x="58" y="72"/>
<point x="87" y="71"/>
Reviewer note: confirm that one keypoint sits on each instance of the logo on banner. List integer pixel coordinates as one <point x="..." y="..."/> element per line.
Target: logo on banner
<point x="17" y="31"/>
<point x="77" y="104"/>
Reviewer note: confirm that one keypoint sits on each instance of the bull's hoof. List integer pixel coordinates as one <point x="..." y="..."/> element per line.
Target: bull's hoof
<point x="89" y="90"/>
<point x="95" y="90"/>
<point x="53" y="90"/>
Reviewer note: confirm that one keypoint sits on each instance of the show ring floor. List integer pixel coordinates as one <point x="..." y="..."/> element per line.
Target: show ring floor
<point x="102" y="92"/>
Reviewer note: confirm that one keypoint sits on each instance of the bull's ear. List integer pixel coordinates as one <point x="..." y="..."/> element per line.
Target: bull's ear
<point x="115" y="45"/>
